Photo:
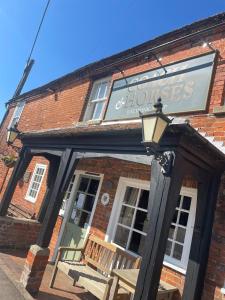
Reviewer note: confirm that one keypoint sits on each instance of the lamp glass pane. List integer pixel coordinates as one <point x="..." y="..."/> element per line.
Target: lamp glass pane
<point x="12" y="135"/>
<point x="159" y="129"/>
<point x="148" y="128"/>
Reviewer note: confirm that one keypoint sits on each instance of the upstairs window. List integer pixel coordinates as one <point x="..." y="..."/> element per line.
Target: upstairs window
<point x="17" y="114"/>
<point x="97" y="101"/>
<point x="35" y="183"/>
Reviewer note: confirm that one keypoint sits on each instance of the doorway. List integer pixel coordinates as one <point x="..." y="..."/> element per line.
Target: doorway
<point x="80" y="212"/>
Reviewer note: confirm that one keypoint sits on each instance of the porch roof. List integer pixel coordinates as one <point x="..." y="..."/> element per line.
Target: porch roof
<point x="126" y="138"/>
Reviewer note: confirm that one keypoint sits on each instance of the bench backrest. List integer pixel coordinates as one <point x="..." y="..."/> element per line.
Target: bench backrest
<point x="105" y="256"/>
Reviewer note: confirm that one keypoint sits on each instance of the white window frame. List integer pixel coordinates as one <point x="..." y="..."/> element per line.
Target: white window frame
<point x="28" y="197"/>
<point x="14" y="116"/>
<point x="89" y="113"/>
<point x="141" y="184"/>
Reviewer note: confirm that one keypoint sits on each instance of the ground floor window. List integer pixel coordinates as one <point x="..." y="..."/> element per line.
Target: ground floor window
<point x="35" y="183"/>
<point x="129" y="219"/>
<point x="131" y="225"/>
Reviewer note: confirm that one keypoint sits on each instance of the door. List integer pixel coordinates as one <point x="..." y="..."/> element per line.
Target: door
<point x="80" y="214"/>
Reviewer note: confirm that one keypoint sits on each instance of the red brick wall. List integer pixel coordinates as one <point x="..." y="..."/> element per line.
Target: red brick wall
<point x="18" y="233"/>
<point x="55" y="236"/>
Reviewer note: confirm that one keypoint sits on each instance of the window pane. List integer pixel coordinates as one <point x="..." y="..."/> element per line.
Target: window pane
<point x="177" y="252"/>
<point x="83" y="184"/>
<point x="143" y="202"/>
<point x="80" y="199"/>
<point x="93" y="187"/>
<point x="171" y="232"/>
<point x="95" y="91"/>
<point x="84" y="219"/>
<point x="121" y="236"/>
<point x="183" y="218"/>
<point x="103" y="90"/>
<point x="15" y="120"/>
<point x="126" y="215"/>
<point x="168" y="248"/>
<point x="98" y="110"/>
<point x="137" y="243"/>
<point x="89" y="201"/>
<point x="180" y="234"/>
<point x="140" y="220"/>
<point x="186" y="203"/>
<point x="131" y="196"/>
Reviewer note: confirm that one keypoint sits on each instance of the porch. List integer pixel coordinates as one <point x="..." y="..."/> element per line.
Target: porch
<point x="191" y="156"/>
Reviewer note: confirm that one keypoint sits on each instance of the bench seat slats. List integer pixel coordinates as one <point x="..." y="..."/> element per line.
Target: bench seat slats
<point x="93" y="270"/>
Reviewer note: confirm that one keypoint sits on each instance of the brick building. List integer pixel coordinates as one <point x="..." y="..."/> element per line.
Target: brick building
<point x="108" y="193"/>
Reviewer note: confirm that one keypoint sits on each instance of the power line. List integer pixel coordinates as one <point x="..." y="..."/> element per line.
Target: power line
<point x="39" y="28"/>
<point x="30" y="61"/>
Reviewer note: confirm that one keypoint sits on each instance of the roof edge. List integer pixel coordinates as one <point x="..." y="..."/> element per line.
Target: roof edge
<point x="216" y="20"/>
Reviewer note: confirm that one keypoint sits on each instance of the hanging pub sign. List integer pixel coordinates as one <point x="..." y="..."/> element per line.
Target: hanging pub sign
<point x="184" y="87"/>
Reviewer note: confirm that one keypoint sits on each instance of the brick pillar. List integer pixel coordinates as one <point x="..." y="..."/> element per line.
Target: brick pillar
<point x="36" y="261"/>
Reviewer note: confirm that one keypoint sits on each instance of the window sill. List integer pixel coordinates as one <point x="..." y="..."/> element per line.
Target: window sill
<point x="30" y="200"/>
<point x="176" y="268"/>
<point x="87" y="123"/>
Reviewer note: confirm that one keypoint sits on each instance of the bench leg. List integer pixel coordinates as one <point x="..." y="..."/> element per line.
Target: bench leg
<point x="107" y="291"/>
<point x="55" y="271"/>
<point x="53" y="277"/>
<point x="74" y="282"/>
<point x="114" y="289"/>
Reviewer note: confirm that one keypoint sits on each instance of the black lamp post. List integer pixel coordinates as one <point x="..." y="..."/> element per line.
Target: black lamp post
<point x="154" y="125"/>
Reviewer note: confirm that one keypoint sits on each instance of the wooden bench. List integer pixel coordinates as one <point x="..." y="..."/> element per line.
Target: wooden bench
<point x="93" y="270"/>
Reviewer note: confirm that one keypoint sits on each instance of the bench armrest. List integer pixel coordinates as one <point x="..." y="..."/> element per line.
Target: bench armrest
<point x="109" y="280"/>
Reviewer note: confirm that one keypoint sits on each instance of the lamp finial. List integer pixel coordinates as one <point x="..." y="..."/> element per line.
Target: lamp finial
<point x="158" y="106"/>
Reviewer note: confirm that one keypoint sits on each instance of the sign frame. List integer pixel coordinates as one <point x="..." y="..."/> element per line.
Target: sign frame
<point x="194" y="111"/>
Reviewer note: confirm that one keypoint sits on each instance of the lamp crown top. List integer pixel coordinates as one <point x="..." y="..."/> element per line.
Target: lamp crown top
<point x="158" y="105"/>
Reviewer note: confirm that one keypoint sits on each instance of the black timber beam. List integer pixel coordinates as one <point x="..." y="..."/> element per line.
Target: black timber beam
<point x="206" y="203"/>
<point x="164" y="193"/>
<point x="66" y="169"/>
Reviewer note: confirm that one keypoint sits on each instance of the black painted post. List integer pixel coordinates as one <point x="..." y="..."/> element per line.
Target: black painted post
<point x="66" y="169"/>
<point x="164" y="193"/>
<point x="206" y="203"/>
<point x="52" y="174"/>
<point x="18" y="171"/>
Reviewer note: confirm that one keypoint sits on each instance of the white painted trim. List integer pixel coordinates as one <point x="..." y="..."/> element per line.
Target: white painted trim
<point x="14" y="113"/>
<point x="105" y="123"/>
<point x="111" y="229"/>
<point x="70" y="203"/>
<point x="27" y="197"/>
<point x="174" y="267"/>
<point x="189" y="230"/>
<point x="121" y="188"/>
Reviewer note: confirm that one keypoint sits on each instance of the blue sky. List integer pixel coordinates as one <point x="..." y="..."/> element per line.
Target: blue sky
<point x="77" y="32"/>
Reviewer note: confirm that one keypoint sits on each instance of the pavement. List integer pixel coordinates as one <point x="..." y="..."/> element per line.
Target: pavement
<point x="10" y="288"/>
<point x="11" y="267"/>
